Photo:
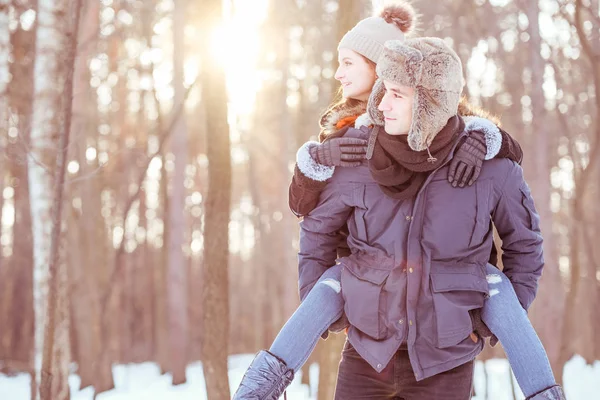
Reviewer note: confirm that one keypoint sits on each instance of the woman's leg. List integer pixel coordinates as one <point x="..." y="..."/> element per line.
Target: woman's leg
<point x="272" y="371"/>
<point x="322" y="307"/>
<point x="505" y="317"/>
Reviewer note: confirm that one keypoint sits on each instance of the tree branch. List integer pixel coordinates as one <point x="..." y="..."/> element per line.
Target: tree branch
<point x="140" y="180"/>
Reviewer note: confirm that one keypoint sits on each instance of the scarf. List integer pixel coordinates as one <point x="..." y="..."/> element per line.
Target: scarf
<point x="399" y="170"/>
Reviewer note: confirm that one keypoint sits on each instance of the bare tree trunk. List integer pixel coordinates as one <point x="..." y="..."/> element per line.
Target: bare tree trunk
<point x="21" y="100"/>
<point x="568" y="327"/>
<point x="546" y="311"/>
<point x="5" y="51"/>
<point x="3" y="177"/>
<point x="160" y="324"/>
<point x="196" y="270"/>
<point x="5" y="281"/>
<point x="161" y="333"/>
<point x="287" y="268"/>
<point x="217" y="210"/>
<point x="590" y="272"/>
<point x="84" y="311"/>
<point x="486" y="393"/>
<point x="263" y="260"/>
<point x="123" y="339"/>
<point x="22" y="347"/>
<point x="91" y="241"/>
<point x="278" y="130"/>
<point x="4" y="111"/>
<point x="512" y="384"/>
<point x="348" y="14"/>
<point x="582" y="187"/>
<point x="259" y="254"/>
<point x="329" y="359"/>
<point x="143" y="285"/>
<point x="177" y="269"/>
<point x="596" y="316"/>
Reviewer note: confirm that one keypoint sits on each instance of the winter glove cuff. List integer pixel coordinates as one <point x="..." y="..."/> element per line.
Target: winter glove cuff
<point x="493" y="137"/>
<point x="310" y="167"/>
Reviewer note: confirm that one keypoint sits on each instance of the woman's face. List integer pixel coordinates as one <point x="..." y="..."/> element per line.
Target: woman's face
<point x="356" y="75"/>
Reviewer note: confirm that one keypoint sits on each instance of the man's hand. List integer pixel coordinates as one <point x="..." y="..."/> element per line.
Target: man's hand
<point x="338" y="326"/>
<point x="480" y="328"/>
<point x="465" y="167"/>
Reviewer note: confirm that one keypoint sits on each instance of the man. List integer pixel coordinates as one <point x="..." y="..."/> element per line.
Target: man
<point x="419" y="246"/>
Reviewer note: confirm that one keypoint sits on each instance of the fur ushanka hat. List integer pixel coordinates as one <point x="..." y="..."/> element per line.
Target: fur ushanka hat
<point x="434" y="70"/>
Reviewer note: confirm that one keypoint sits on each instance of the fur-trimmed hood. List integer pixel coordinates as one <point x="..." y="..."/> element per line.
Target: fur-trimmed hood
<point x="330" y="119"/>
<point x="466" y="109"/>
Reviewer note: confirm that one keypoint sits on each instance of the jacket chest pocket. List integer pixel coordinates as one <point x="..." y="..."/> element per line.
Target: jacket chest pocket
<point x="456" y="289"/>
<point x="364" y="297"/>
<point x="455" y="219"/>
<point x="482" y="220"/>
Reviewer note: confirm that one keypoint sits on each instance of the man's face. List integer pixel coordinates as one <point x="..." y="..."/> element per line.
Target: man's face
<point x="397" y="105"/>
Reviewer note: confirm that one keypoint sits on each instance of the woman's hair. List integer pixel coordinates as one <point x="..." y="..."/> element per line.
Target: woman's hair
<point x="340" y="105"/>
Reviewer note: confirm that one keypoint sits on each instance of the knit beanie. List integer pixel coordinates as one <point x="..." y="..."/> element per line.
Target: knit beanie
<point x="434" y="70"/>
<point x="369" y="35"/>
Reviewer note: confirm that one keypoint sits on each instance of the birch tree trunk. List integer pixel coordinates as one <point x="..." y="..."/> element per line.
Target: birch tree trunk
<point x="47" y="161"/>
<point x="57" y="344"/>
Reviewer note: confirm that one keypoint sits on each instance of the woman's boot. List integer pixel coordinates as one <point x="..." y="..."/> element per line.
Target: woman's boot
<point x="266" y="379"/>
<point x="551" y="393"/>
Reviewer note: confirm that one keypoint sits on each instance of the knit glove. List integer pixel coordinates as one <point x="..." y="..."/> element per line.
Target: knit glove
<point x="338" y="326"/>
<point x="480" y="328"/>
<point x="465" y="167"/>
<point x="340" y="152"/>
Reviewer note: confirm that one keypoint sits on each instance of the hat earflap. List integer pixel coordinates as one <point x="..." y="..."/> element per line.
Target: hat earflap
<point x="420" y="112"/>
<point x="374" y="100"/>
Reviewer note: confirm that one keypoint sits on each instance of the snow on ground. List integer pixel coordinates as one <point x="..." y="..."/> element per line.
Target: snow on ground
<point x="144" y="382"/>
